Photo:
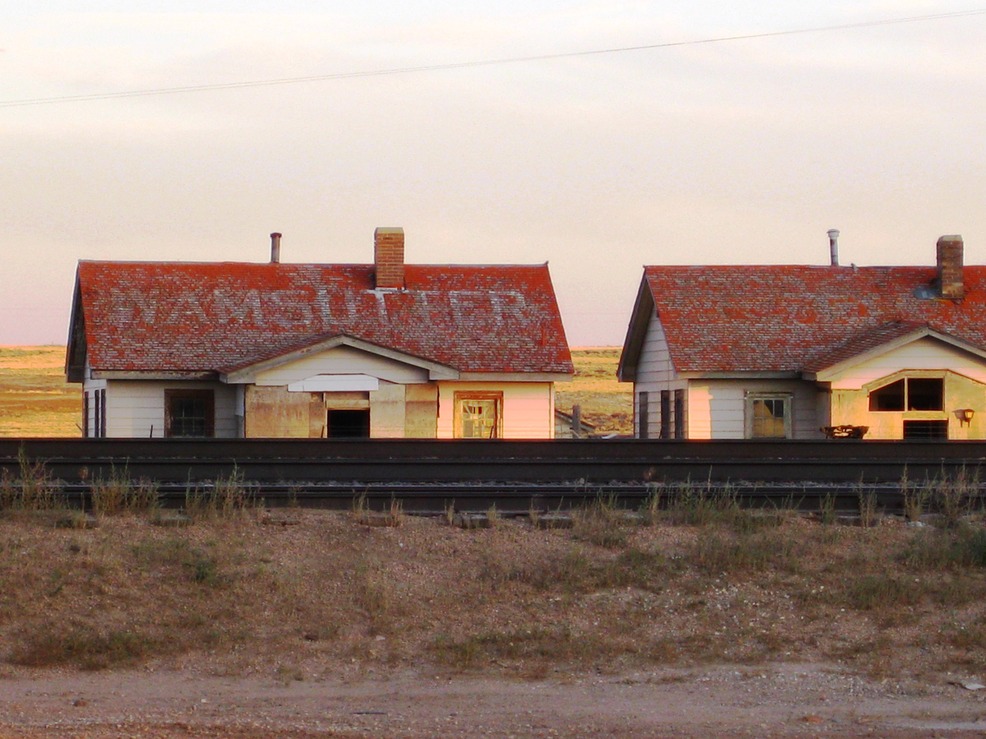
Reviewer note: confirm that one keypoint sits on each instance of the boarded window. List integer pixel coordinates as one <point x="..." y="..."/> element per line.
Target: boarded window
<point x="925" y="429"/>
<point x="768" y="416"/>
<point x="478" y="415"/>
<point x="189" y="413"/>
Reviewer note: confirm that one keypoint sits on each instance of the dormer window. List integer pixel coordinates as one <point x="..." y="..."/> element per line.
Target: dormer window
<point x="909" y="394"/>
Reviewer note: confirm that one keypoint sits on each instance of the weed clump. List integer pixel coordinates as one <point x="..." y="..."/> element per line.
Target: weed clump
<point x="365" y="515"/>
<point x="227" y="497"/>
<point x="601" y="523"/>
<point x="31" y="490"/>
<point x="120" y="494"/>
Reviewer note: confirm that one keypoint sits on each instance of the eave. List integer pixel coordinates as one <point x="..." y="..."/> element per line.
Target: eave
<point x="76" y="348"/>
<point x="514" y="377"/>
<point x="742" y="375"/>
<point x="640" y="317"/>
<point x="153" y="375"/>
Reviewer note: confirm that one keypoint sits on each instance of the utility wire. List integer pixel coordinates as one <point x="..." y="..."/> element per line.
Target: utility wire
<point x="476" y="63"/>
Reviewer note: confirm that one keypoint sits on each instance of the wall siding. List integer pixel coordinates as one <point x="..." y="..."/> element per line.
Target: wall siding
<point x="421" y="411"/>
<point x="654" y="374"/>
<point x="273" y="412"/>
<point x="853" y="407"/>
<point x="964" y="387"/>
<point x="387" y="412"/>
<point x="135" y="409"/>
<point x="717" y="408"/>
<point x="528" y="409"/>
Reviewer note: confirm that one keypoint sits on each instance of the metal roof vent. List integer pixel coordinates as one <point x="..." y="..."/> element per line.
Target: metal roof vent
<point x="834" y="246"/>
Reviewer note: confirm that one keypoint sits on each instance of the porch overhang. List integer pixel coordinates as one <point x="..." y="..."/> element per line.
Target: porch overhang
<point x="247" y="373"/>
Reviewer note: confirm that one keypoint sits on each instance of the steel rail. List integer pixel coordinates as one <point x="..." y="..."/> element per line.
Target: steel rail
<point x="429" y="475"/>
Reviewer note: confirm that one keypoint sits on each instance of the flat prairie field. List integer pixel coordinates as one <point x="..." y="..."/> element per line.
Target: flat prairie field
<point x="606" y="403"/>
<point x="35" y="399"/>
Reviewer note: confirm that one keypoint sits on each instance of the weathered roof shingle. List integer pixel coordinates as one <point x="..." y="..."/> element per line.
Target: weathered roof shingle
<point x="793" y="318"/>
<point x="214" y="317"/>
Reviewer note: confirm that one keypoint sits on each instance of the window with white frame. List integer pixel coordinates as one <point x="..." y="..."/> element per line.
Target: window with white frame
<point x="768" y="415"/>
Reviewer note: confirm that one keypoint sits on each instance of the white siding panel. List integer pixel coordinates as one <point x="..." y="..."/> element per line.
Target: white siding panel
<point x="528" y="411"/>
<point x="136" y="408"/>
<point x="343" y="360"/>
<point x="654" y="365"/>
<point x="654" y="374"/>
<point x="717" y="408"/>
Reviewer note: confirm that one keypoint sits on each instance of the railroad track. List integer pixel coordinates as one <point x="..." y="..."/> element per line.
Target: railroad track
<point x="516" y="476"/>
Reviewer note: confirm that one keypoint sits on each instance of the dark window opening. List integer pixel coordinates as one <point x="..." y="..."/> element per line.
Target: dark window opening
<point x="643" y="413"/>
<point x="925" y="393"/>
<point x="679" y="414"/>
<point x="348" y="424"/>
<point x="96" y="415"/>
<point x="189" y="413"/>
<point x="888" y="398"/>
<point x="665" y="414"/>
<point x="925" y="429"/>
<point x="98" y="406"/>
<point x="910" y="393"/>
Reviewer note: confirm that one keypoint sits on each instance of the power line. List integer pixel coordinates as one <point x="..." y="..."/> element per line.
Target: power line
<point x="477" y="63"/>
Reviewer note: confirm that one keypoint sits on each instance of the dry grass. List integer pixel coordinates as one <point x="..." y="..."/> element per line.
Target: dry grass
<point x="35" y="399"/>
<point x="605" y="402"/>
<point x="320" y="592"/>
<point x="691" y="579"/>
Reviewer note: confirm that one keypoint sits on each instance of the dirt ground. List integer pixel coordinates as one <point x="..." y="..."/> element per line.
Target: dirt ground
<point x="766" y="701"/>
<point x="309" y="623"/>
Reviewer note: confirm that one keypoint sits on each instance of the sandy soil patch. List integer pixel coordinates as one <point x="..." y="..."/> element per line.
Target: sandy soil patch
<point x="779" y="700"/>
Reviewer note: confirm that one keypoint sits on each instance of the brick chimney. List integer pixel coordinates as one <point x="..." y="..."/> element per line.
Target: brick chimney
<point x="388" y="257"/>
<point x="950" y="267"/>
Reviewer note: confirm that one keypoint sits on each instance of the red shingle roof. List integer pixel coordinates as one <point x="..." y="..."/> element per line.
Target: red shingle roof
<point x="201" y="317"/>
<point x="801" y="318"/>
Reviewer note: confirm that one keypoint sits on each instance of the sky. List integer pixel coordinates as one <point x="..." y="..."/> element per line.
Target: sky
<point x="680" y="149"/>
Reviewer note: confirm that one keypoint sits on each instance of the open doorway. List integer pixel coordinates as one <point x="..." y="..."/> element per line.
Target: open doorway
<point x="347" y="424"/>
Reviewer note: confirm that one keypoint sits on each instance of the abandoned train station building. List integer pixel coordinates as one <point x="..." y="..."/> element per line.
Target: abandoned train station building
<point x="791" y="351"/>
<point x="387" y="349"/>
